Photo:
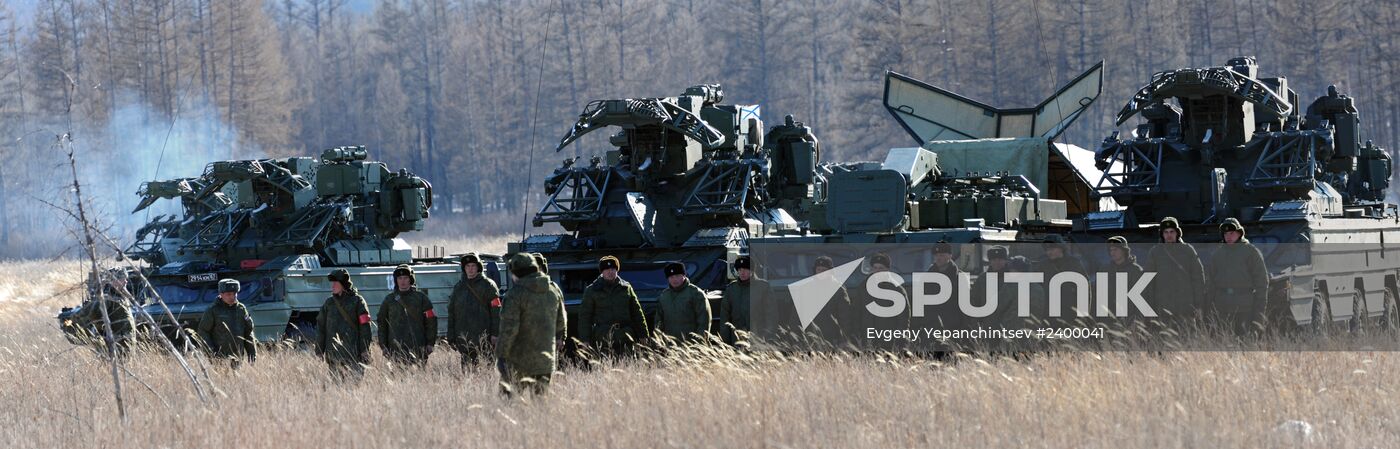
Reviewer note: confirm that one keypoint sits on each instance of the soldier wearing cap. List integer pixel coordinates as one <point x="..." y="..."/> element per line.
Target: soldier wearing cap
<point x="838" y="310"/>
<point x="1058" y="260"/>
<point x="881" y="263"/>
<point x="947" y="313"/>
<point x="408" y="326"/>
<point x="1179" y="289"/>
<point x="611" y="317"/>
<point x="343" y="334"/>
<point x="735" y="305"/>
<point x="1120" y="260"/>
<point x="532" y="329"/>
<point x="682" y="312"/>
<point x="226" y="329"/>
<point x="1239" y="279"/>
<point x="998" y="262"/>
<point x="473" y="312"/>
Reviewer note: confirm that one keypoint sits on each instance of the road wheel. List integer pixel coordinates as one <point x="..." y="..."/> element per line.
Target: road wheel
<point x="1390" y="316"/>
<point x="1358" y="312"/>
<point x="1321" y="316"/>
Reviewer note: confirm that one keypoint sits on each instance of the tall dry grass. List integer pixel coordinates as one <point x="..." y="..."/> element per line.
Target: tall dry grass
<point x="58" y="395"/>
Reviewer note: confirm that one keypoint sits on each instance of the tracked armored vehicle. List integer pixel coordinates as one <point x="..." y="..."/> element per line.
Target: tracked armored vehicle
<point x="279" y="226"/>
<point x="1226" y="142"/>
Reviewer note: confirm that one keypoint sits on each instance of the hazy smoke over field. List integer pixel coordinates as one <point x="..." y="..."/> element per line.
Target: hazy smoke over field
<point x="134" y="145"/>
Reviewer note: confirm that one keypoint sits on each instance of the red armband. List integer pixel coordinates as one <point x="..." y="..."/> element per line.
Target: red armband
<point x="496" y="302"/>
<point x="430" y="314"/>
<point x="364" y="318"/>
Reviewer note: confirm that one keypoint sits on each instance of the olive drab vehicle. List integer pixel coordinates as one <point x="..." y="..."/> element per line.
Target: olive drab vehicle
<point x="980" y="176"/>
<point x="279" y="226"/>
<point x="688" y="180"/>
<point x="1227" y="142"/>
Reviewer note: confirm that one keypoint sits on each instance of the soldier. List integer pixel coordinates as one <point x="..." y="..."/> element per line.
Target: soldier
<point x="473" y="312"/>
<point x="947" y="313"/>
<point x="611" y="318"/>
<point x="1058" y="260"/>
<point x="1120" y="260"/>
<point x="408" y="326"/>
<point x="226" y="328"/>
<point x="998" y="261"/>
<point x="343" y="333"/>
<point x="1239" y="279"/>
<point x="735" y="305"/>
<point x="682" y="312"/>
<point x="880" y="263"/>
<point x="1178" y="292"/>
<point x="532" y="329"/>
<point x="839" y="309"/>
<point x="89" y="318"/>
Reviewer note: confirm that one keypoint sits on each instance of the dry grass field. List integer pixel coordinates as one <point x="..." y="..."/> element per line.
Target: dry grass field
<point x="57" y="395"/>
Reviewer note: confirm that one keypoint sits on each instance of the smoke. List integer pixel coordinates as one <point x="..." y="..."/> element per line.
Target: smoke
<point x="131" y="145"/>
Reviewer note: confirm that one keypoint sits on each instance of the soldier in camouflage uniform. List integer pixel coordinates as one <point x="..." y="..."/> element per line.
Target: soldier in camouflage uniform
<point x="1239" y="280"/>
<point x="473" y="312"/>
<point x="408" y="326"/>
<point x="226" y="328"/>
<point x="532" y="329"/>
<point x="1120" y="260"/>
<point x="682" y="312"/>
<point x="1178" y="292"/>
<point x="343" y="334"/>
<point x="737" y="301"/>
<point x="1058" y="260"/>
<point x="611" y="317"/>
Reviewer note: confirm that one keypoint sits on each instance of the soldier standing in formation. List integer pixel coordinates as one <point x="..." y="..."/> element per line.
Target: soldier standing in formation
<point x="473" y="312"/>
<point x="682" y="312"/>
<point x="408" y="326"/>
<point x="1239" y="280"/>
<point x="226" y="328"/>
<point x="343" y="333"/>
<point x="1120" y="260"/>
<point x="611" y="317"/>
<point x="947" y="313"/>
<point x="532" y="329"/>
<point x="737" y="302"/>
<point x="1058" y="260"/>
<point x="1178" y="292"/>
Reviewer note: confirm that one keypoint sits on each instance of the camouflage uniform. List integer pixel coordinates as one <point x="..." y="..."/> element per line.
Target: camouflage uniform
<point x="1239" y="280"/>
<point x="682" y="313"/>
<point x="1133" y="271"/>
<point x="473" y="313"/>
<point x="227" y="330"/>
<point x="737" y="302"/>
<point x="532" y="327"/>
<point x="610" y="317"/>
<point x="1178" y="291"/>
<point x="408" y="326"/>
<point x="343" y="334"/>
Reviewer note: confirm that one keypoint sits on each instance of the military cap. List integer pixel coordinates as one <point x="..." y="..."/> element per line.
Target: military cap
<point x="1231" y="224"/>
<point x="229" y="285"/>
<point x="541" y="262"/>
<point x="742" y="262"/>
<point x="471" y="258"/>
<point x="997" y="252"/>
<point x="823" y="261"/>
<point x="609" y="262"/>
<point x="943" y="247"/>
<point x="675" y="268"/>
<point x="880" y="258"/>
<point x="1118" y="241"/>
<point x="340" y="276"/>
<point x="522" y="264"/>
<point x="405" y="270"/>
<point x="1169" y="223"/>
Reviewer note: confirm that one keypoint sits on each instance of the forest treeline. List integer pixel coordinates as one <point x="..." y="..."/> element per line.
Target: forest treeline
<point x="468" y="92"/>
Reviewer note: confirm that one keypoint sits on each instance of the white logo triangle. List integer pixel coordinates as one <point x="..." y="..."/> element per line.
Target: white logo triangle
<point x="810" y="295"/>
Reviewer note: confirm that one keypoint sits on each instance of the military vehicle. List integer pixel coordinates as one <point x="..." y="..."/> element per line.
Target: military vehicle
<point x="1224" y="142"/>
<point x="690" y="178"/>
<point x="980" y="174"/>
<point x="279" y="226"/>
